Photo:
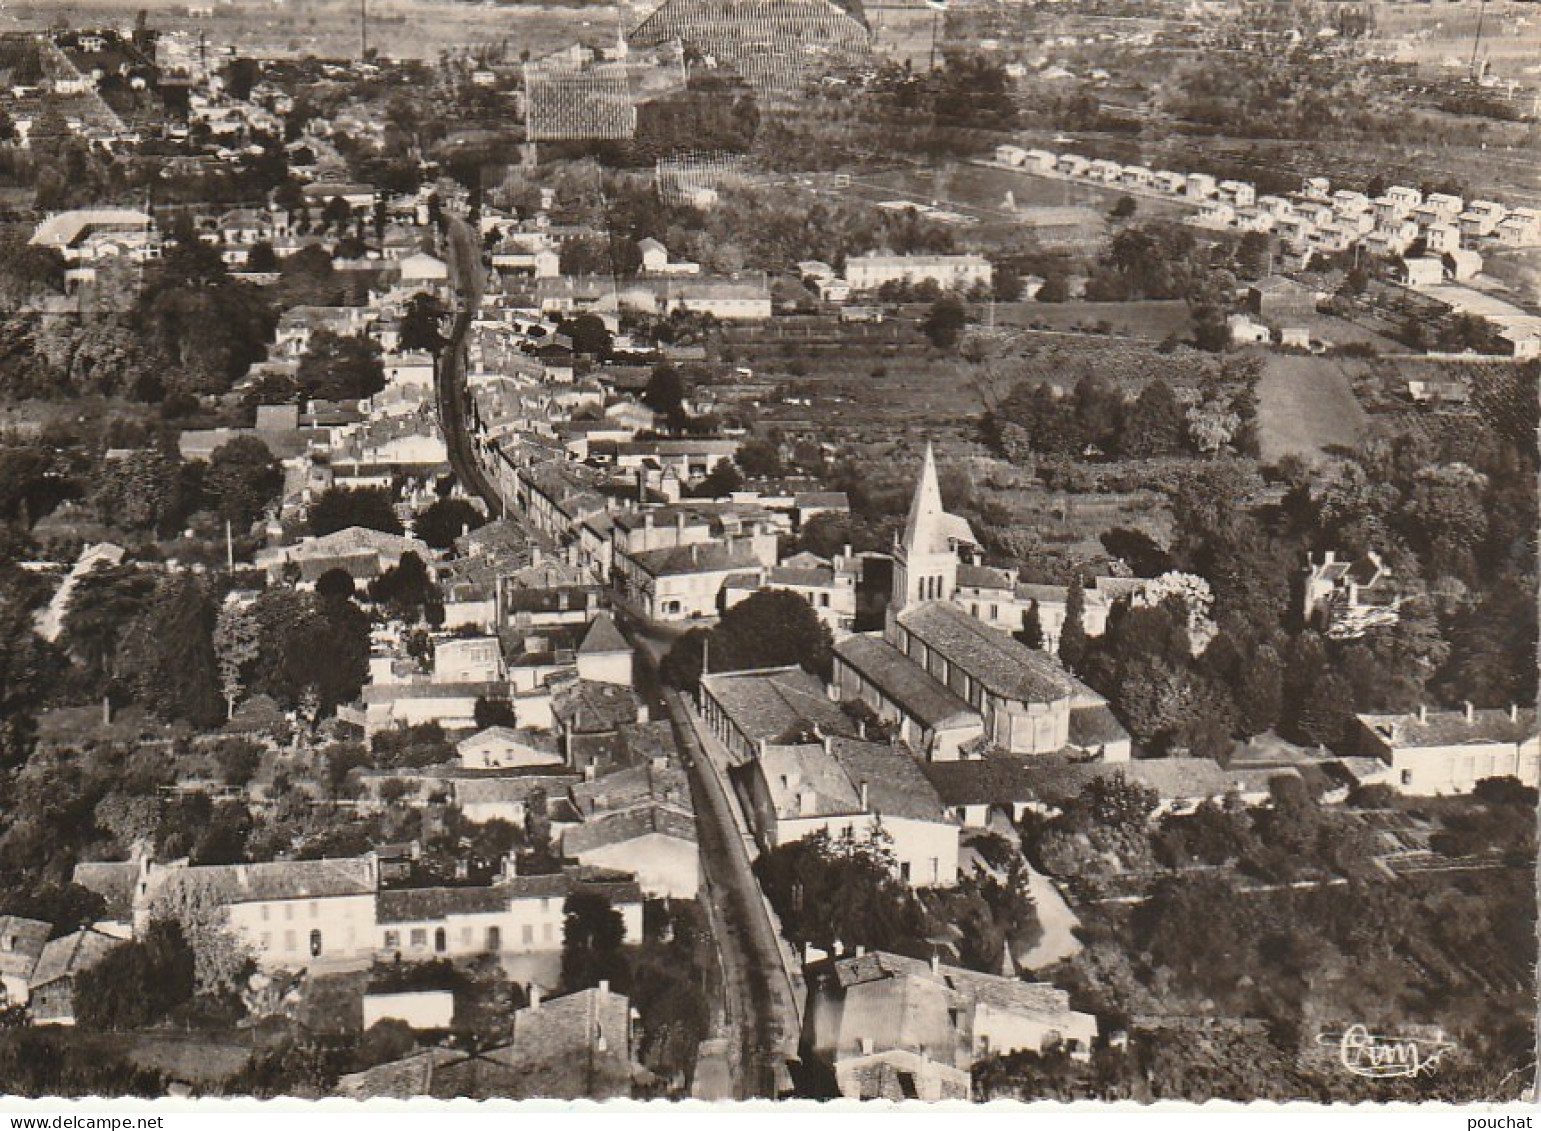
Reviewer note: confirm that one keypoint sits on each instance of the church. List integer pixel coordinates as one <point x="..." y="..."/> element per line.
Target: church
<point x="953" y="686"/>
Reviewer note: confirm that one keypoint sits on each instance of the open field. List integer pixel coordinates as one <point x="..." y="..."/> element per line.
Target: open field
<point x="1305" y="405"/>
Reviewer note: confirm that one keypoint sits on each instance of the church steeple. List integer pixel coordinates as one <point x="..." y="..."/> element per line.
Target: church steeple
<point x="925" y="559"/>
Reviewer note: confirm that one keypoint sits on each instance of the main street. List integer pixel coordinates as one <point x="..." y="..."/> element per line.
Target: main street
<point x="759" y="1018"/>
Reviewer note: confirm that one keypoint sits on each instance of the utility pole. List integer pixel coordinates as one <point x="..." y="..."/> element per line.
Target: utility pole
<point x="363" y="29"/>
<point x="1476" y="42"/>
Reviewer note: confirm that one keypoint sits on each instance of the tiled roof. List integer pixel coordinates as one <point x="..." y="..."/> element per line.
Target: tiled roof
<point x="283" y="879"/>
<point x="1002" y="665"/>
<point x="21" y="944"/>
<point x="586" y="706"/>
<point x="63" y="958"/>
<point x="421" y="905"/>
<point x="1451" y="728"/>
<point x="632" y="824"/>
<point x="625" y="789"/>
<point x="768" y="705"/>
<point x="832" y="500"/>
<point x="805" y="780"/>
<point x="903" y="681"/>
<point x="507" y="790"/>
<point x="114" y="881"/>
<point x="896" y="786"/>
<point x="602" y="637"/>
<point x="704" y="557"/>
<point x="818" y="578"/>
<point x="1095" y="726"/>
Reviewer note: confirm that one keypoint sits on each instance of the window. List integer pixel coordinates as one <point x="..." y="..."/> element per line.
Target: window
<point x="440" y="940"/>
<point x="494" y="939"/>
<point x="315" y="944"/>
<point x="466" y="934"/>
<point x="527" y="934"/>
<point x="904" y="870"/>
<point x="392" y="940"/>
<point x="419" y="937"/>
<point x="315" y="910"/>
<point x="288" y="911"/>
<point x="265" y="910"/>
<point x="1407" y="777"/>
<point x="289" y="940"/>
<point x="548" y="932"/>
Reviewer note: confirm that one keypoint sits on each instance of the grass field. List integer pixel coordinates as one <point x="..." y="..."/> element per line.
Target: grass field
<point x="1305" y="405"/>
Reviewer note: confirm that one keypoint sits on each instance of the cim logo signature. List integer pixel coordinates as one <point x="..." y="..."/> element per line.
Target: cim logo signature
<point x="1379" y="1057"/>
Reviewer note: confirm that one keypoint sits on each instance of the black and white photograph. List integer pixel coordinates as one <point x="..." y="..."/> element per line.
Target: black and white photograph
<point x="918" y="551"/>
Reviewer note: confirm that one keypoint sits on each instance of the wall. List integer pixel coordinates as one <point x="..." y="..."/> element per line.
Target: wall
<point x="665" y="866"/>
<point x="279" y="931"/>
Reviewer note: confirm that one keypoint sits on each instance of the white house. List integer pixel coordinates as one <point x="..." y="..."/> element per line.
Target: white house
<point x="1444" y="752"/>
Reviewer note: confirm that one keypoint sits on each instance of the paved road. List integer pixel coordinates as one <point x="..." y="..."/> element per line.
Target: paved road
<point x="464" y="256"/>
<point x="759" y="1017"/>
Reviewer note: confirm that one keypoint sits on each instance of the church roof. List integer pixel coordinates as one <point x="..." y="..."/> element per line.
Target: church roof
<point x="1003" y="666"/>
<point x="929" y="529"/>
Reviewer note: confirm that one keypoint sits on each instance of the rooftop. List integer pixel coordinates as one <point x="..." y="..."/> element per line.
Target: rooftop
<point x="901" y="680"/>
<point x="1455" y="728"/>
<point x="1003" y="666"/>
<point x="772" y="704"/>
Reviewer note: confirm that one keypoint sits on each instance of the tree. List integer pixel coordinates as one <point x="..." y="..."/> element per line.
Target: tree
<point x="407" y="589"/>
<point x="592" y="935"/>
<point x="759" y="458"/>
<point x="944" y="322"/>
<point x="243" y="478"/>
<point x="446" y="520"/>
<point x="104" y="603"/>
<point x="665" y="393"/>
<point x="336" y="584"/>
<point x="341" y="367"/>
<point x="589" y="335"/>
<point x="140" y="491"/>
<point x="1154" y="425"/>
<point x="166" y="657"/>
<point x="1123" y="208"/>
<point x="237" y="645"/>
<point x="827" y="891"/>
<point x="1031" y="633"/>
<point x="260" y="258"/>
<point x="138" y="983"/>
<point x="420" y="324"/>
<point x="340" y="508"/>
<point x="721" y="481"/>
<point x="1072" y="634"/>
<point x="772" y="628"/>
<point x="1260" y="693"/>
<point x="308" y="647"/>
<point x="221" y="959"/>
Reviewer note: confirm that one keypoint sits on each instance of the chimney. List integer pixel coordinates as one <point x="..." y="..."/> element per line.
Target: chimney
<point x="860" y="950"/>
<point x="695" y="553"/>
<point x="604" y="985"/>
<point x="1423" y="713"/>
<point x="1471" y="712"/>
<point x="936" y="963"/>
<point x="535" y="556"/>
<point x="679" y="523"/>
<point x="1514" y="712"/>
<point x="589" y="773"/>
<point x="861" y="728"/>
<point x="866" y="1046"/>
<point x="534" y="998"/>
<point x="863" y="788"/>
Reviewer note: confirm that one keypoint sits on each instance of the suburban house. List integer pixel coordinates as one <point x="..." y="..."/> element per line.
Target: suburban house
<point x="887" y="1024"/>
<point x="1345" y="599"/>
<point x="848" y="787"/>
<point x="1441" y="752"/>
